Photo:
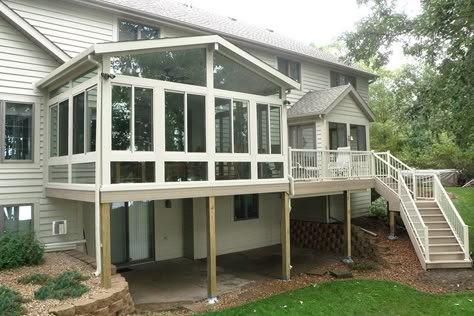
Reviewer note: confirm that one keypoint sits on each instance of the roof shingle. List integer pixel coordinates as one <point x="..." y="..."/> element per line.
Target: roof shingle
<point x="197" y="17"/>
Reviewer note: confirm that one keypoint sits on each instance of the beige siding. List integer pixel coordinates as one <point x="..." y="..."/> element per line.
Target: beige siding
<point x="363" y="88"/>
<point x="167" y="31"/>
<point x="319" y="134"/>
<point x="267" y="57"/>
<point x="21" y="64"/>
<point x="360" y="202"/>
<point x="347" y="111"/>
<point x="234" y="236"/>
<point x="71" y="27"/>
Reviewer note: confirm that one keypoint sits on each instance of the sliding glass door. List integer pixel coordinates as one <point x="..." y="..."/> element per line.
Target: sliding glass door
<point x="131" y="231"/>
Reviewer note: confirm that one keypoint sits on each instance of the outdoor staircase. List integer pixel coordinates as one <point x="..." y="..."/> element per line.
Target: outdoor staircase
<point x="438" y="233"/>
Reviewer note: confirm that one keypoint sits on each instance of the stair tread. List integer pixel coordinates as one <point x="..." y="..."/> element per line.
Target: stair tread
<point x="440" y="245"/>
<point x="439" y="237"/>
<point x="446" y="253"/>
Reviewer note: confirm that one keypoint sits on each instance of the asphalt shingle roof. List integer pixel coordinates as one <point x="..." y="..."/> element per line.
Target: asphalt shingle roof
<point x="194" y="16"/>
<point x="316" y="102"/>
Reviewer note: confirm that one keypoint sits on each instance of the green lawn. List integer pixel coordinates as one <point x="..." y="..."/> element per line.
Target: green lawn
<point x="464" y="203"/>
<point x="357" y="297"/>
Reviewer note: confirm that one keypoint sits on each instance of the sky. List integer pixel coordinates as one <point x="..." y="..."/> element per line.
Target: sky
<point x="310" y="21"/>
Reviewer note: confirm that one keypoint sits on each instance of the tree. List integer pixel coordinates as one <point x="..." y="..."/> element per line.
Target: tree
<point x="441" y="37"/>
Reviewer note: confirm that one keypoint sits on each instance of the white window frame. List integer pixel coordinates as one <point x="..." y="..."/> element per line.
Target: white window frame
<point x="33" y="222"/>
<point x="269" y="129"/>
<point x="3" y="104"/>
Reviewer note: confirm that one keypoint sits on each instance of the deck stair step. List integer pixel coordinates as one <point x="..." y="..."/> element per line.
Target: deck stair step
<point x="437" y="240"/>
<point x="445" y="247"/>
<point x="446" y="255"/>
<point x="448" y="264"/>
<point x="436" y="224"/>
<point x="436" y="232"/>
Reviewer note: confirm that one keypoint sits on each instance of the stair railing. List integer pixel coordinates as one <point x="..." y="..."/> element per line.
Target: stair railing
<point x="416" y="224"/>
<point x="456" y="223"/>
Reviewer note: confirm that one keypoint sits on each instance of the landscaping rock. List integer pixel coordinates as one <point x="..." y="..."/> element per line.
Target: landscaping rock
<point x="341" y="274"/>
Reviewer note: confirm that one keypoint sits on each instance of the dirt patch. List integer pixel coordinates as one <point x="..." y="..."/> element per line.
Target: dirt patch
<point x="54" y="264"/>
<point x="398" y="262"/>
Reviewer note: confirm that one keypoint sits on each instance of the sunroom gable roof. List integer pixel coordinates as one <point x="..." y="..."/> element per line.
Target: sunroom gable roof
<point x="136" y="46"/>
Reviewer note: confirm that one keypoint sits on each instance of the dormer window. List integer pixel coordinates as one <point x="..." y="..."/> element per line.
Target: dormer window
<point x="339" y="79"/>
<point x="132" y="31"/>
<point x="290" y="68"/>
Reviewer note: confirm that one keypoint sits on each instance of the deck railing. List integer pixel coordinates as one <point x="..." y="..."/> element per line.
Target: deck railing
<point x="459" y="228"/>
<point x="413" y="216"/>
<point x="312" y="164"/>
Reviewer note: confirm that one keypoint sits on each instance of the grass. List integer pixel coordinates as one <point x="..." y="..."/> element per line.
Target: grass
<point x="357" y="297"/>
<point x="464" y="203"/>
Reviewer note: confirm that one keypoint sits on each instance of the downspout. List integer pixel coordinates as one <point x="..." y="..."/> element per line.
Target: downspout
<point x="98" y="171"/>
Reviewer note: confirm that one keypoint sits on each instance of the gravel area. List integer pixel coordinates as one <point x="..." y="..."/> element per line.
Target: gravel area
<point x="54" y="264"/>
<point x="398" y="263"/>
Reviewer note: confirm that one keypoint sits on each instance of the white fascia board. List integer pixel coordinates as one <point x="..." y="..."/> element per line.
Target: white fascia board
<point x="65" y="68"/>
<point x="32" y="33"/>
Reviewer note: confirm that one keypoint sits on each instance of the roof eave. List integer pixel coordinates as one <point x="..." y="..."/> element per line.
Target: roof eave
<point x="32" y="33"/>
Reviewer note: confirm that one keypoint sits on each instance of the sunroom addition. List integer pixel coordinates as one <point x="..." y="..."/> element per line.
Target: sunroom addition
<point x="155" y="114"/>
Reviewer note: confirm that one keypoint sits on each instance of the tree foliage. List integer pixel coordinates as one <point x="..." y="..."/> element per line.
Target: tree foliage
<point x="441" y="38"/>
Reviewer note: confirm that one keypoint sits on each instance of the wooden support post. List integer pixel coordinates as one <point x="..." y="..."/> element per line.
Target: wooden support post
<point x="106" y="269"/>
<point x="392" y="223"/>
<point x="285" y="236"/>
<point x="347" y="224"/>
<point x="211" y="249"/>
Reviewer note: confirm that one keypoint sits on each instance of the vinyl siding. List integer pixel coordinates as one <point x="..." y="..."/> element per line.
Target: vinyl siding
<point x="347" y="111"/>
<point x="360" y="202"/>
<point x="234" y="236"/>
<point x="169" y="234"/>
<point x="363" y="88"/>
<point x="21" y="64"/>
<point x="71" y="27"/>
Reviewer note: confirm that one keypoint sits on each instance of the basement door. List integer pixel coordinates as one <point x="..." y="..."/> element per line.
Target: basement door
<point x="131" y="232"/>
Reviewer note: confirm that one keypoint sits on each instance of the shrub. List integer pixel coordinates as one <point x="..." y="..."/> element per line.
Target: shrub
<point x="10" y="302"/>
<point x="18" y="250"/>
<point x="67" y="284"/>
<point x="378" y="208"/>
<point x="35" y="278"/>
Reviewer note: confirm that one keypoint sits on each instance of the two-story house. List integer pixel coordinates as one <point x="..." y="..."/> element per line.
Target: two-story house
<point x="141" y="131"/>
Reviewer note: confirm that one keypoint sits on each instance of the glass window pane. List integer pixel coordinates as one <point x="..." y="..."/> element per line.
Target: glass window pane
<point x="262" y="128"/>
<point x="185" y="171"/>
<point x="63" y="128"/>
<point x="130" y="31"/>
<point x="91" y="119"/>
<point x="78" y="124"/>
<point x="240" y="113"/>
<point x="58" y="174"/>
<point x="16" y="219"/>
<point x="337" y="135"/>
<point x="84" y="77"/>
<point x="121" y="115"/>
<point x="269" y="170"/>
<point x="306" y="137"/>
<point x="283" y="66"/>
<point x="83" y="173"/>
<point x="232" y="170"/>
<point x="196" y="123"/>
<point x="275" y="130"/>
<point x="174" y="121"/>
<point x="245" y="206"/>
<point x="223" y="126"/>
<point x="59" y="90"/>
<point x="358" y="137"/>
<point x="18" y="131"/>
<point x="143" y="119"/>
<point x="53" y="131"/>
<point x="182" y="66"/>
<point x="229" y="75"/>
<point x="132" y="172"/>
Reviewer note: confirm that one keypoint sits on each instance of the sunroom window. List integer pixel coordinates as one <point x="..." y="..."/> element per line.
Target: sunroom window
<point x="231" y="124"/>
<point x="182" y="66"/>
<point x="337" y="135"/>
<point x="16" y="136"/>
<point x="230" y="75"/>
<point x="59" y="129"/>
<point x="128" y="111"/>
<point x="269" y="129"/>
<point x="185" y="122"/>
<point x="84" y="121"/>
<point x="230" y="170"/>
<point x="358" y="137"/>
<point x="132" y="31"/>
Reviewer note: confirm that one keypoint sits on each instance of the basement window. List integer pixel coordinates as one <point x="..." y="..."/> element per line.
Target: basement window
<point x="16" y="218"/>
<point x="245" y="207"/>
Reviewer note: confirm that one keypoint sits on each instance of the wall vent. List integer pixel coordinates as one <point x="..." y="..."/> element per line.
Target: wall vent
<point x="59" y="227"/>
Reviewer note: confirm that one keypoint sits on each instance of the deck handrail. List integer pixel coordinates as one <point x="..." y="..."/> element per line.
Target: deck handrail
<point x="455" y="221"/>
<point x="409" y="206"/>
